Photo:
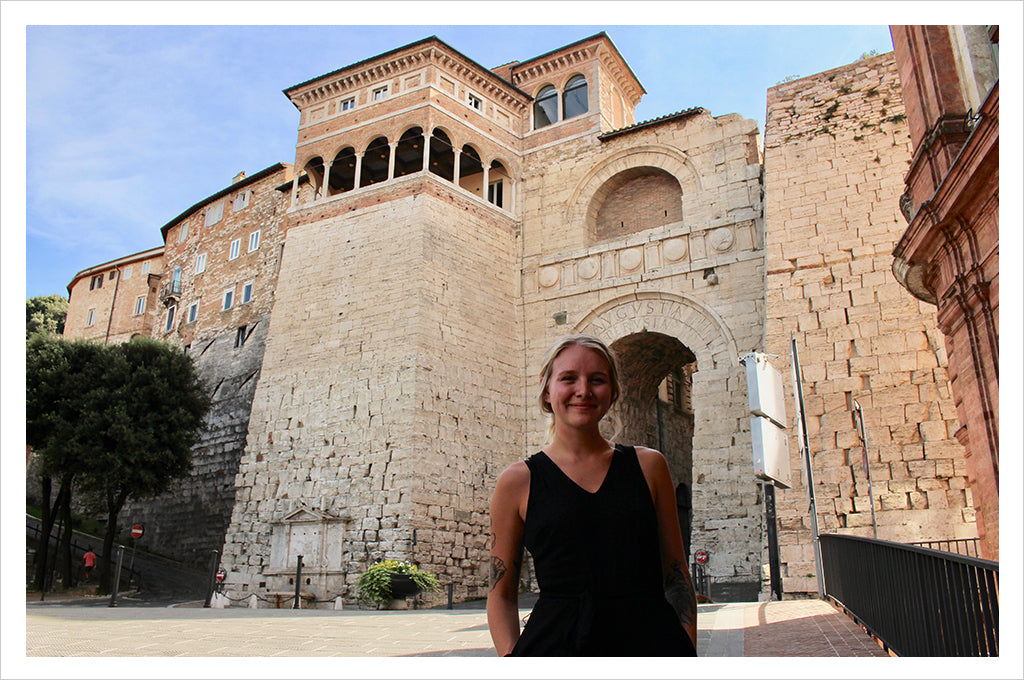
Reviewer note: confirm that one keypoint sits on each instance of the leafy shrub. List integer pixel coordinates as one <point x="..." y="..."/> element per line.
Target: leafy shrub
<point x="374" y="585"/>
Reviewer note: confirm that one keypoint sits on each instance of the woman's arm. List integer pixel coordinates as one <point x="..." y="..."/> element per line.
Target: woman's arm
<point x="678" y="587"/>
<point x="508" y="512"/>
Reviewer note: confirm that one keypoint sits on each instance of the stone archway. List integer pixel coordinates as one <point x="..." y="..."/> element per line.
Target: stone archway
<point x="654" y="334"/>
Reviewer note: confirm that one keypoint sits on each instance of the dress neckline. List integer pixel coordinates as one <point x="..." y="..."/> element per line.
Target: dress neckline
<point x="573" y="482"/>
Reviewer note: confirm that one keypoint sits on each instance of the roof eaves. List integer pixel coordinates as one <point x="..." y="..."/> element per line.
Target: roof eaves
<point x="226" y="190"/>
<point x="679" y="115"/>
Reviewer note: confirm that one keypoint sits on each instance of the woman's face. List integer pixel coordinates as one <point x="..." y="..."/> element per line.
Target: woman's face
<point x="580" y="389"/>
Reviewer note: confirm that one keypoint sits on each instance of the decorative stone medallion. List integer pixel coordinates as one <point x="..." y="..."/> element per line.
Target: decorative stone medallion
<point x="588" y="268"/>
<point x="721" y="239"/>
<point x="631" y="259"/>
<point x="547" y="276"/>
<point x="675" y="249"/>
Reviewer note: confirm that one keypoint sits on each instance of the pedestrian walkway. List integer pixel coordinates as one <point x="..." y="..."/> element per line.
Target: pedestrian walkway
<point x="791" y="628"/>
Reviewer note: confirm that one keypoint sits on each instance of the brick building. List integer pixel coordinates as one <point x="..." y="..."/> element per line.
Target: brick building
<point x="949" y="254"/>
<point x="114" y="301"/>
<point x="448" y="222"/>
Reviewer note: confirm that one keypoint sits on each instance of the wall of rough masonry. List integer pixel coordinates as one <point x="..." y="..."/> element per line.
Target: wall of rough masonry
<point x="383" y="408"/>
<point x="836" y="151"/>
<point x="188" y="521"/>
<point x="682" y="289"/>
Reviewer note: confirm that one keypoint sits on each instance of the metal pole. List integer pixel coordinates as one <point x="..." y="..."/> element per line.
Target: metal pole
<point x="774" y="567"/>
<point x="117" y="577"/>
<point x="131" y="565"/>
<point x="805" y="445"/>
<point x="451" y="598"/>
<point x="212" y="579"/>
<point x="298" y="581"/>
<point x="859" y="413"/>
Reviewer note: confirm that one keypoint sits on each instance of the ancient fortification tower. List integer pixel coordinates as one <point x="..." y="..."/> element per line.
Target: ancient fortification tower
<point x="372" y="324"/>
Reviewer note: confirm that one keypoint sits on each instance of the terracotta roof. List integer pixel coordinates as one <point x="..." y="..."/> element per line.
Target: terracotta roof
<point x="652" y="122"/>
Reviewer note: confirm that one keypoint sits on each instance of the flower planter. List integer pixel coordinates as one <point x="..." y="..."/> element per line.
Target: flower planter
<point x="403" y="586"/>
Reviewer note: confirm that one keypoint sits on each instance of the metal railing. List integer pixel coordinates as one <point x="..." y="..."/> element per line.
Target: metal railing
<point x="916" y="601"/>
<point x="960" y="546"/>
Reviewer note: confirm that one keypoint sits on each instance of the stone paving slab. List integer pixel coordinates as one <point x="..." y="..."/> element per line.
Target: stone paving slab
<point x="791" y="628"/>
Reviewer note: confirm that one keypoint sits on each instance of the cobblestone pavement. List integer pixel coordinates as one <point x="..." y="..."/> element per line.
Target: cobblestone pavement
<point x="790" y="628"/>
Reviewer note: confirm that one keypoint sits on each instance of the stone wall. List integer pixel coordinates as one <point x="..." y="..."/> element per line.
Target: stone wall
<point x="384" y="405"/>
<point x="684" y="290"/>
<point x="836" y="151"/>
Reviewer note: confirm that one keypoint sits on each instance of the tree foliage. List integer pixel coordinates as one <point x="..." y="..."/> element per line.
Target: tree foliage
<point x="45" y="314"/>
<point x="114" y="421"/>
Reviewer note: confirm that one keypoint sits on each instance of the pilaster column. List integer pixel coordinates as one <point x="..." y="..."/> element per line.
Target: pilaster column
<point x="359" y="170"/>
<point x="426" y="151"/>
<point x="327" y="179"/>
<point x="455" y="169"/>
<point x="487" y="183"/>
<point x="391" y="159"/>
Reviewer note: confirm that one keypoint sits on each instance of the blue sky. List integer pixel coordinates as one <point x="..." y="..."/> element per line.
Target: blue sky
<point x="127" y="125"/>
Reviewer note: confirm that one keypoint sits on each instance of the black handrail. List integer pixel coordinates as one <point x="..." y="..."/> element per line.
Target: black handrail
<point x="916" y="601"/>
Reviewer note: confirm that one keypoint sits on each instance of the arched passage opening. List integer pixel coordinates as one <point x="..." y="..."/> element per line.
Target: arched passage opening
<point x="656" y="410"/>
<point x="315" y="172"/>
<point x="375" y="162"/>
<point x="343" y="172"/>
<point x="471" y="170"/>
<point x="442" y="155"/>
<point x="409" y="152"/>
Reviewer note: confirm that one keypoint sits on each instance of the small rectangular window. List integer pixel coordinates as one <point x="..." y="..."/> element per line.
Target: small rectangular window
<point x="183" y="232"/>
<point x="240" y="336"/>
<point x="145" y="267"/>
<point x="113" y="274"/>
<point x="140" y="305"/>
<point x="214" y="214"/>
<point x="229" y="298"/>
<point x="241" y="200"/>
<point x="247" y="292"/>
<point x="128" y="272"/>
<point x="494" y="193"/>
<point x="348" y="104"/>
<point x="380" y="93"/>
<point x="236" y="246"/>
<point x="476" y="102"/>
<point x="254" y="240"/>
<point x="200" y="263"/>
<point x="91" y="318"/>
<point x="96" y="282"/>
<point x="169" y="325"/>
<point x="193" y="312"/>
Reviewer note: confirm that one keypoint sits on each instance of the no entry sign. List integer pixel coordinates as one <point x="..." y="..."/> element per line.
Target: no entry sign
<point x="137" y="531"/>
<point x="221" y="575"/>
<point x="701" y="556"/>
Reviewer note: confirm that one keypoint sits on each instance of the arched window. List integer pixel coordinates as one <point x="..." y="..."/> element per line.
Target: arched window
<point x="574" y="99"/>
<point x="409" y="153"/>
<point x="442" y="155"/>
<point x="545" y="107"/>
<point x="375" y="162"/>
<point x="471" y="172"/>
<point x="343" y="172"/>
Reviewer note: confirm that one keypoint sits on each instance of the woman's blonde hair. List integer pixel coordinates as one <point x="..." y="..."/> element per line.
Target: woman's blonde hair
<point x="590" y="342"/>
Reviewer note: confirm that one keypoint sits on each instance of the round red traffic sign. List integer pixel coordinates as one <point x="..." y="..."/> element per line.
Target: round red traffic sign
<point x="221" y="575"/>
<point x="701" y="556"/>
<point x="137" y="531"/>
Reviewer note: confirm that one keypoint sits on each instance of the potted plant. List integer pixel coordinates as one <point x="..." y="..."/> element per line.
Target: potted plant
<point x="390" y="579"/>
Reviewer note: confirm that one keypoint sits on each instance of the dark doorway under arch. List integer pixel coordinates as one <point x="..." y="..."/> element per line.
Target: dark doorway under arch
<point x="655" y="408"/>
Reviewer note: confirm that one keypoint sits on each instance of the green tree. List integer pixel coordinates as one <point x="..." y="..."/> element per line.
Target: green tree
<point x="65" y="401"/>
<point x="115" y="421"/>
<point x="155" y="416"/>
<point x="45" y="314"/>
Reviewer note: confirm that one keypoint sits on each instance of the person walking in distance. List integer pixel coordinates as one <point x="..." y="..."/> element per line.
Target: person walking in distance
<point x="599" y="520"/>
<point x="88" y="561"/>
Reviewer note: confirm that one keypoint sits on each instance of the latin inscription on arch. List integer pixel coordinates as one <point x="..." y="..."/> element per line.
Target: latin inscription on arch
<point x="686" y="320"/>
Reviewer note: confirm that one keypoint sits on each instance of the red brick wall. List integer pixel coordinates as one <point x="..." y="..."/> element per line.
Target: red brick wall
<point x="640" y="203"/>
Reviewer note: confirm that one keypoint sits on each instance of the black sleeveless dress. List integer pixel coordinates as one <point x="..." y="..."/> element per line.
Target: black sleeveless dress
<point x="598" y="565"/>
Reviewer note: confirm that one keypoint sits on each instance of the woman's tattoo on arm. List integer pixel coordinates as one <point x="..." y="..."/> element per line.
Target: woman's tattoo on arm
<point x="679" y="593"/>
<point x="498" y="571"/>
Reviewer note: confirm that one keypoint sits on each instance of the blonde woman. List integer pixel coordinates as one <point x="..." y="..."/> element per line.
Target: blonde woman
<point x="599" y="520"/>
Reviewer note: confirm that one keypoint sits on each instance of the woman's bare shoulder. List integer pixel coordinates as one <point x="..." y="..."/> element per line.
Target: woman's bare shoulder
<point x="515" y="476"/>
